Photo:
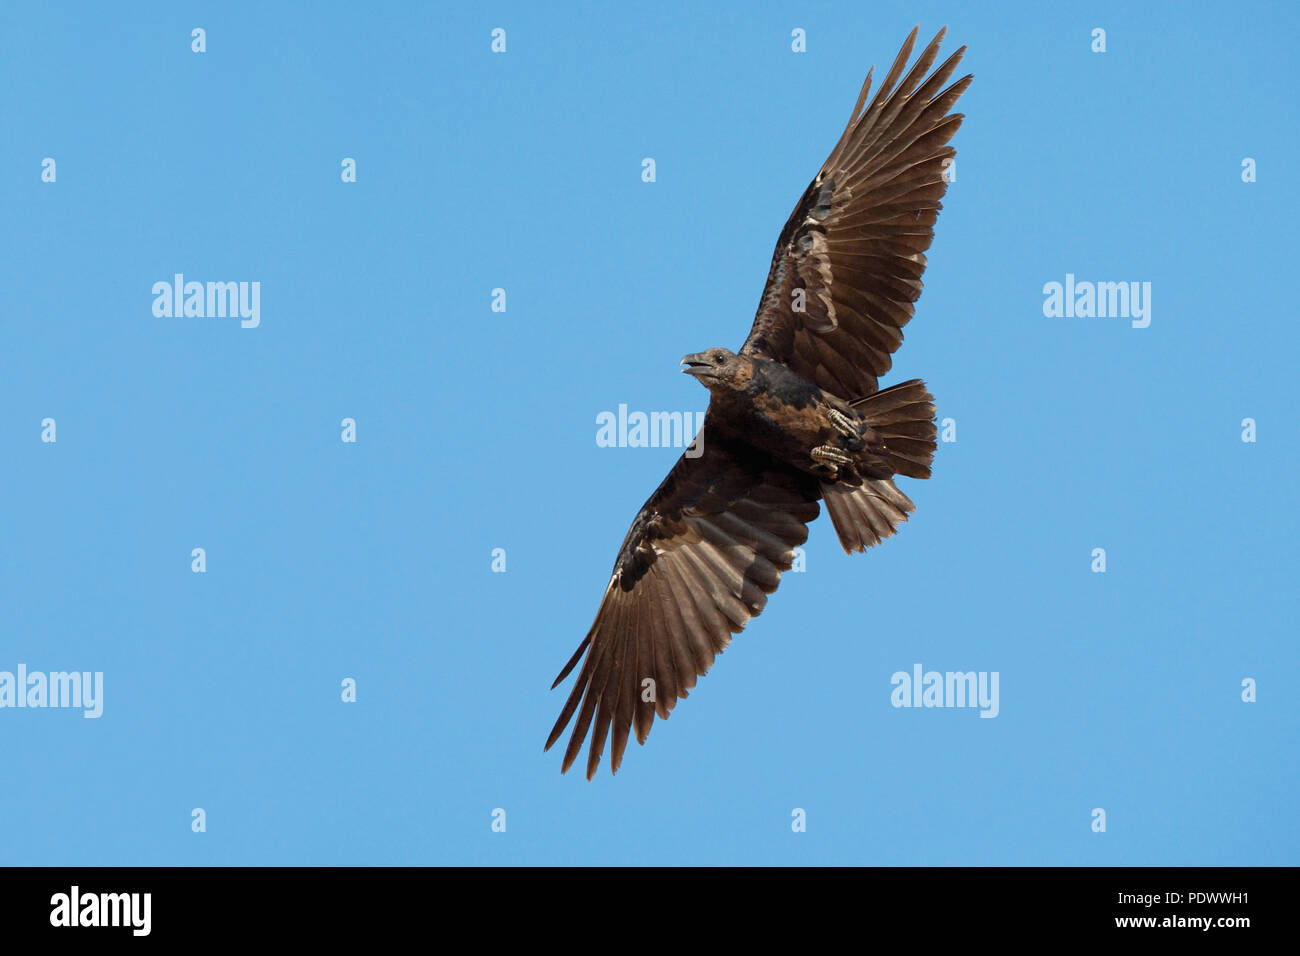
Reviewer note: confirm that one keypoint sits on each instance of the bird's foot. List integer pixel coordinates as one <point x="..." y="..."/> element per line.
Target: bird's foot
<point x="843" y="424"/>
<point x="831" y="458"/>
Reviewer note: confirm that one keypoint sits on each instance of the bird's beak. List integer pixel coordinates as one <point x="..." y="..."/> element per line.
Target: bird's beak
<point x="695" y="364"/>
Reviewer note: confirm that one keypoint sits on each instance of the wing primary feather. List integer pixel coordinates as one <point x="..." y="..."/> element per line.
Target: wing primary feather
<point x="662" y="667"/>
<point x="624" y="702"/>
<point x="577" y="655"/>
<point x="602" y="685"/>
<point x="596" y="678"/>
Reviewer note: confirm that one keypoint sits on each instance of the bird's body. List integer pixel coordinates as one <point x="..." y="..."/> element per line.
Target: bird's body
<point x="775" y="410"/>
<point x="795" y="418"/>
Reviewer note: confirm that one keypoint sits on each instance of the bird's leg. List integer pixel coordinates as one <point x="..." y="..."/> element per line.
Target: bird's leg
<point x="831" y="457"/>
<point x="843" y="424"/>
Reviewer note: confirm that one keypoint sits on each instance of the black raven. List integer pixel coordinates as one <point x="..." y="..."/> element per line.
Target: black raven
<point x="794" y="418"/>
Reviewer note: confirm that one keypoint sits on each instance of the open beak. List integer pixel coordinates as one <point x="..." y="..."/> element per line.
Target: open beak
<point x="695" y="364"/>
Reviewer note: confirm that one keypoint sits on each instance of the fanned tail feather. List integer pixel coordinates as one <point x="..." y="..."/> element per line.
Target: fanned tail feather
<point x="867" y="514"/>
<point x="902" y="422"/>
<point x="902" y="418"/>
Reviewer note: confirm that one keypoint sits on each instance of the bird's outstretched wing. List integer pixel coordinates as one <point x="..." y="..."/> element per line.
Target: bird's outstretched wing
<point x="698" y="562"/>
<point x="848" y="265"/>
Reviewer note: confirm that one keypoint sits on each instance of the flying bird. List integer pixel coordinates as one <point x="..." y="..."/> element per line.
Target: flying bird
<point x="796" y="417"/>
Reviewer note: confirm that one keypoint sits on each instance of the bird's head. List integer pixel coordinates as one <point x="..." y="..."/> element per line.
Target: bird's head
<point x="717" y="369"/>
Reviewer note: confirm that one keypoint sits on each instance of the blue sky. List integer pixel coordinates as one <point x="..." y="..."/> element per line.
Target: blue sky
<point x="476" y="430"/>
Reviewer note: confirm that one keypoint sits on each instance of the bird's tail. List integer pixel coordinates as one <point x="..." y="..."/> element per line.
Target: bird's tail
<point x="866" y="514"/>
<point x="902" y="420"/>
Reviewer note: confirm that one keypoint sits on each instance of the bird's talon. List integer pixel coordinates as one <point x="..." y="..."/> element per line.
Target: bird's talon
<point x="843" y="424"/>
<point x="831" y="458"/>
